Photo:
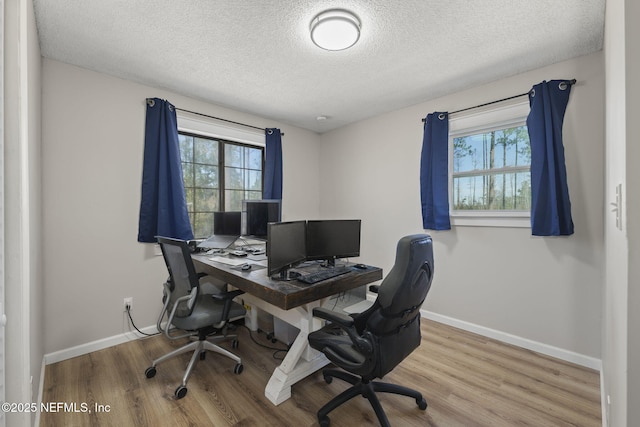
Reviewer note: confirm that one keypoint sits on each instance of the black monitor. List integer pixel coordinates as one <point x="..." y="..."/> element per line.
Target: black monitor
<point x="226" y="223"/>
<point x="332" y="239"/>
<point x="286" y="246"/>
<point x="256" y="214"/>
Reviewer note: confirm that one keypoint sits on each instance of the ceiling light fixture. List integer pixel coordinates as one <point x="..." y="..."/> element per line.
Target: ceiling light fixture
<point x="335" y="29"/>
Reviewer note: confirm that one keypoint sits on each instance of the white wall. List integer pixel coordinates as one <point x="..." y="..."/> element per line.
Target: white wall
<point x="547" y="290"/>
<point x="615" y="295"/>
<point x="22" y="204"/>
<point x="632" y="210"/>
<point x="621" y="299"/>
<point x="93" y="137"/>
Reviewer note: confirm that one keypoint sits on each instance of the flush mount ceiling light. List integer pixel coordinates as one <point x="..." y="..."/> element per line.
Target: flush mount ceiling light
<point x="335" y="29"/>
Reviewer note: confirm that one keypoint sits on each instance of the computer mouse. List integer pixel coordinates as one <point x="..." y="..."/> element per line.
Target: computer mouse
<point x="246" y="267"/>
<point x="360" y="266"/>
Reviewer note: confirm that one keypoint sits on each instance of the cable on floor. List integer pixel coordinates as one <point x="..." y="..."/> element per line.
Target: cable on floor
<point x="277" y="350"/>
<point x="132" y="323"/>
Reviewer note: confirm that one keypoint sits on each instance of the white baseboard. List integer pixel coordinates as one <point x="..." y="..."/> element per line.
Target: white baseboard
<point x="79" y="350"/>
<point x="562" y="354"/>
<point x="558" y="353"/>
<point x="603" y="401"/>
<point x="36" y="421"/>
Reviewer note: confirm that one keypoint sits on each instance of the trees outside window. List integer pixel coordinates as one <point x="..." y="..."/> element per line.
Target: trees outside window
<point x="218" y="175"/>
<point x="491" y="170"/>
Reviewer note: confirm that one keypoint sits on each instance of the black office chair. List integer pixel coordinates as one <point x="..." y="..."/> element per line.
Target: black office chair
<point x="370" y="344"/>
<point x="206" y="317"/>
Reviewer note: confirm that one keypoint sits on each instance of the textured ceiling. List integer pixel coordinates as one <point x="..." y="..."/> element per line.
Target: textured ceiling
<point x="257" y="57"/>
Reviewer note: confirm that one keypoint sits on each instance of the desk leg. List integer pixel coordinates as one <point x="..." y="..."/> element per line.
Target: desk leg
<point x="301" y="360"/>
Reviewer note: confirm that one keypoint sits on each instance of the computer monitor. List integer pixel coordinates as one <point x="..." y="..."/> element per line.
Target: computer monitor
<point x="256" y="214"/>
<point x="286" y="246"/>
<point x="227" y="223"/>
<point x="332" y="239"/>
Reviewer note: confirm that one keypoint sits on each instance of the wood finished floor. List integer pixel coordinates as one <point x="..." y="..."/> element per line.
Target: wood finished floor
<point x="468" y="380"/>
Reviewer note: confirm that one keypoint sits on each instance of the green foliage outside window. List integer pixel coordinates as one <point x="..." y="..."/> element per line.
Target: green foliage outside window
<point x="218" y="175"/>
<point x="491" y="170"/>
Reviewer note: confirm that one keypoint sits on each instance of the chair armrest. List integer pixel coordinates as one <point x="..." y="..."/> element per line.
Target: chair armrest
<point x="332" y="316"/>
<point x="223" y="296"/>
<point x="227" y="297"/>
<point x="167" y="330"/>
<point x="346" y="323"/>
<point x="374" y="288"/>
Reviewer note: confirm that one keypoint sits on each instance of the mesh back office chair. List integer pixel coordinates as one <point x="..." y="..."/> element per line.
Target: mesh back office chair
<point x="370" y="344"/>
<point x="200" y="315"/>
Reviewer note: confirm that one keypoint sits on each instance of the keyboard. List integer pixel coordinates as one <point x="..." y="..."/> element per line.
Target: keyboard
<point x="319" y="276"/>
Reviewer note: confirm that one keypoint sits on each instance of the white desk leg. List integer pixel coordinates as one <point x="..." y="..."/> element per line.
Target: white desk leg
<point x="301" y="360"/>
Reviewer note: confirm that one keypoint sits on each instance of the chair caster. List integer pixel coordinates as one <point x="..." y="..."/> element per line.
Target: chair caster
<point x="238" y="369"/>
<point x="203" y="355"/>
<point x="422" y="404"/>
<point x="328" y="379"/>
<point x="235" y="344"/>
<point x="324" y="421"/>
<point x="150" y="372"/>
<point x="180" y="392"/>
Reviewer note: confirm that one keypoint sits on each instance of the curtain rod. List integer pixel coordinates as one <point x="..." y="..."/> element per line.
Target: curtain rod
<point x="150" y="101"/>
<point x="570" y="82"/>
<point x="224" y="120"/>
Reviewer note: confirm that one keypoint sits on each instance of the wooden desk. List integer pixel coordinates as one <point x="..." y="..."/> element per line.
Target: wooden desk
<point x="293" y="302"/>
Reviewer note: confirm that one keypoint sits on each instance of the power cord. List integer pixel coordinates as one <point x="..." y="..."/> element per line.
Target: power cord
<point x="132" y="323"/>
<point x="277" y="350"/>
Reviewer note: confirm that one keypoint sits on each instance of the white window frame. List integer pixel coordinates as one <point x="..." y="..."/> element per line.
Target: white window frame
<point x="508" y="114"/>
<point x="207" y="127"/>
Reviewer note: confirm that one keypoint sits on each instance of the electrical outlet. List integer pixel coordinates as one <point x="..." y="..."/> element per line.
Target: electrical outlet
<point x="128" y="302"/>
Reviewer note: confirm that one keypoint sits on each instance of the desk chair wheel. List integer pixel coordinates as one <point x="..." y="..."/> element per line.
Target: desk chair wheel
<point x="238" y="369"/>
<point x="180" y="392"/>
<point x="324" y="422"/>
<point x="271" y="337"/>
<point x="203" y="355"/>
<point x="150" y="372"/>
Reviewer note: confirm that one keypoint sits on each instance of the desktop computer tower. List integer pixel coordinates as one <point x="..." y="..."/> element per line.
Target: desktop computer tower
<point x="284" y="332"/>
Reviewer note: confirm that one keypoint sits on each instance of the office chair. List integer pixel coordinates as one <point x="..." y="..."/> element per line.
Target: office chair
<point x="189" y="310"/>
<point x="370" y="344"/>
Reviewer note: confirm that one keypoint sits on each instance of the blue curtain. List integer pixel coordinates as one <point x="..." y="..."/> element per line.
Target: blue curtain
<point x="273" y="164"/>
<point x="163" y="207"/>
<point x="434" y="172"/>
<point x="550" y="205"/>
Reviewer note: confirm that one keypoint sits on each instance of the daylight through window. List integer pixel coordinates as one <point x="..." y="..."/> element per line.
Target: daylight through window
<point x="491" y="170"/>
<point x="218" y="175"/>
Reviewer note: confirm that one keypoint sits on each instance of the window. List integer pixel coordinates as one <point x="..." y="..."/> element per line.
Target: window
<point x="218" y="174"/>
<point x="490" y="179"/>
<point x="491" y="170"/>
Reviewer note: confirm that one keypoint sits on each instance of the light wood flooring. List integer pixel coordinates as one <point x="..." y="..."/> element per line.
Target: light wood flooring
<point x="468" y="380"/>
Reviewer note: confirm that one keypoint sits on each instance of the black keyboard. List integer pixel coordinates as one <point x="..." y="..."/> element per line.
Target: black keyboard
<point x="321" y="275"/>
